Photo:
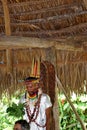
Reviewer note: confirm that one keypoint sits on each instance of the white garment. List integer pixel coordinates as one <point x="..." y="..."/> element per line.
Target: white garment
<point x="41" y="118"/>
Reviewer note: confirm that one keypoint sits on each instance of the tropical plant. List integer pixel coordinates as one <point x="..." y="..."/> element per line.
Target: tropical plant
<point x="16" y="110"/>
<point x="68" y="119"/>
<point x="10" y="111"/>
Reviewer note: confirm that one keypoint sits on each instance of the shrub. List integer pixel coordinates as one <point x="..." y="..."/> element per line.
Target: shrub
<point x="67" y="117"/>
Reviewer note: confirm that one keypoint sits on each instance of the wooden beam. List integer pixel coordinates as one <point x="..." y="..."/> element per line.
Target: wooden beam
<point x="6" y="18"/>
<point x="67" y="43"/>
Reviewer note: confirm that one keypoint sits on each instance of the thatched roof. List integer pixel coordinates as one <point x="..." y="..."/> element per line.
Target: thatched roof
<point x="55" y="30"/>
<point x="43" y="18"/>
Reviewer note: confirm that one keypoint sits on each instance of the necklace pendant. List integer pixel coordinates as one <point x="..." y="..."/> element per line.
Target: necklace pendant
<point x="32" y="116"/>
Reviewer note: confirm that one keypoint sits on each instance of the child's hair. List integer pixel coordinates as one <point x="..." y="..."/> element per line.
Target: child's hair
<point x="24" y="124"/>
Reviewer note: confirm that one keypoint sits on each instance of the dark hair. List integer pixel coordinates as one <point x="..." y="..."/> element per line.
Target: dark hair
<point x="24" y="124"/>
<point x="31" y="79"/>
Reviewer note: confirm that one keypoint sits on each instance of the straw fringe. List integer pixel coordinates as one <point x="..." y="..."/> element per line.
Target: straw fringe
<point x="71" y="69"/>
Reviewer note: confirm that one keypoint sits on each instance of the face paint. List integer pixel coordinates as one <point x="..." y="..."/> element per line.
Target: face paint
<point x="32" y="86"/>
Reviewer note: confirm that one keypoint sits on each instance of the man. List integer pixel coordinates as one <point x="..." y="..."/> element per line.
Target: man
<point x="21" y="125"/>
<point x="38" y="106"/>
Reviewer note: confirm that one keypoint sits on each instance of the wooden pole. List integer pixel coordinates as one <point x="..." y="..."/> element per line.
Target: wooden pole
<point x="71" y="104"/>
<point x="6" y="18"/>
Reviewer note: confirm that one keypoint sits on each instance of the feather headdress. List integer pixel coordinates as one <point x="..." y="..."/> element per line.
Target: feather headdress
<point x="35" y="71"/>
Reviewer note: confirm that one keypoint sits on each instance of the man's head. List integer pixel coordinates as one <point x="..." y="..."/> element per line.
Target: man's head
<point x="21" y="125"/>
<point x="32" y="84"/>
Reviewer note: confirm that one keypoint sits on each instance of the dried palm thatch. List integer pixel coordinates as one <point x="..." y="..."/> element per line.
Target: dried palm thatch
<point x="16" y="67"/>
<point x="71" y="70"/>
<point x="54" y="20"/>
<point x="70" y="64"/>
<point x="43" y="18"/>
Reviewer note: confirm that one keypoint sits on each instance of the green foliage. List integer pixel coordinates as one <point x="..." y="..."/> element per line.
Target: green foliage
<point x="10" y="111"/>
<point x="16" y="110"/>
<point x="68" y="119"/>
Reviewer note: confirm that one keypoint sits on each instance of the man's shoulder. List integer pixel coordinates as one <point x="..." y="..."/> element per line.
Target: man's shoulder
<point x="46" y="100"/>
<point x="45" y="96"/>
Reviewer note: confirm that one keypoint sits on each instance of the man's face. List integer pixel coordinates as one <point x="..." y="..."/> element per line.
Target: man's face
<point x="17" y="127"/>
<point x="31" y="86"/>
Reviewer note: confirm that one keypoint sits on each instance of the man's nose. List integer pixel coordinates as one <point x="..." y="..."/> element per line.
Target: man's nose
<point x="29" y="85"/>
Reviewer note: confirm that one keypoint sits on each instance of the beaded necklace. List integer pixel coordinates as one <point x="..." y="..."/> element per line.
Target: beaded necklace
<point x="32" y="97"/>
<point x="33" y="116"/>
